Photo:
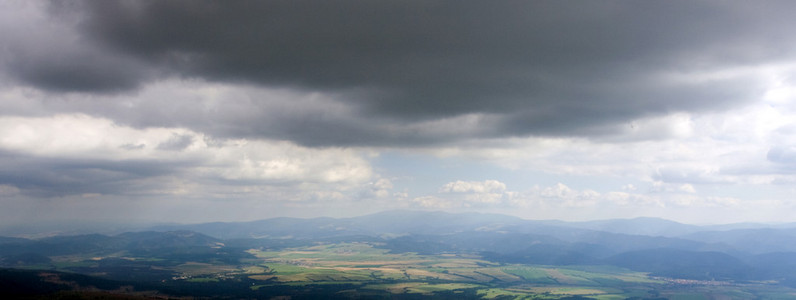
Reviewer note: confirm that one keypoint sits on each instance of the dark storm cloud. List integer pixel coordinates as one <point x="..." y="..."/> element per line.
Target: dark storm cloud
<point x="76" y="70"/>
<point x="55" y="177"/>
<point x="44" y="50"/>
<point x="543" y="67"/>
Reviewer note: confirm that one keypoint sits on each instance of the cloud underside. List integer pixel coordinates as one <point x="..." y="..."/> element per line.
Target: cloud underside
<point x="391" y="70"/>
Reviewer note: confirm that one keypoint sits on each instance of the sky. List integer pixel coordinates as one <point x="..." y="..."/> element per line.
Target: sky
<point x="198" y="111"/>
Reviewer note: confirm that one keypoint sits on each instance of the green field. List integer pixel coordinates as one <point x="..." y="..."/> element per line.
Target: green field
<point x="363" y="270"/>
<point x="375" y="269"/>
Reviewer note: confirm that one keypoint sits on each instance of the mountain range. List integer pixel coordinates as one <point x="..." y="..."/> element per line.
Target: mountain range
<point x="661" y="247"/>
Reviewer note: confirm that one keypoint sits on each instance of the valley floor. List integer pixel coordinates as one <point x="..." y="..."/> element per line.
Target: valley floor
<point x="362" y="270"/>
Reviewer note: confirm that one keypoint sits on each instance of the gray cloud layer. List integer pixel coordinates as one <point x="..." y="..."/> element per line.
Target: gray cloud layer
<point x="530" y="67"/>
<point x="47" y="177"/>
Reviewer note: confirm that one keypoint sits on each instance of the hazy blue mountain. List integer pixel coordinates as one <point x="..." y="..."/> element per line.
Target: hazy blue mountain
<point x="12" y="240"/>
<point x="735" y="226"/>
<point x="170" y="239"/>
<point x="71" y="228"/>
<point x="384" y="223"/>
<point x="658" y="246"/>
<point x="777" y="265"/>
<point x="549" y="254"/>
<point x="414" y="222"/>
<point x="497" y="233"/>
<point x="97" y="243"/>
<point x="626" y="242"/>
<point x="684" y="264"/>
<point x="271" y="228"/>
<point x="755" y="241"/>
<point x="466" y="232"/>
<point x="636" y="226"/>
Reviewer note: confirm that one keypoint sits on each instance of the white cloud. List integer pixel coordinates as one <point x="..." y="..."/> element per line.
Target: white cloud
<point x="196" y="157"/>
<point x="283" y="162"/>
<point x="381" y="188"/>
<point x="749" y="145"/>
<point x="82" y="136"/>
<point x="487" y="186"/>
<point x="663" y="187"/>
<point x="560" y="201"/>
<point x="475" y="193"/>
